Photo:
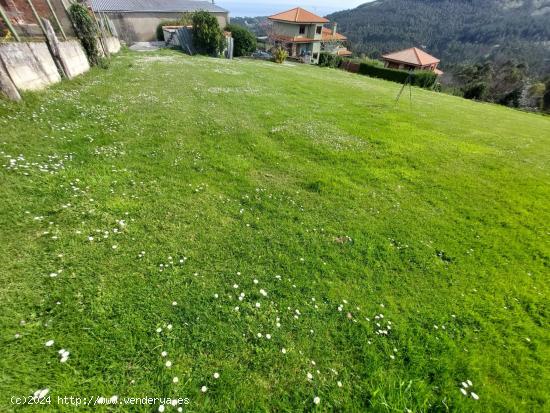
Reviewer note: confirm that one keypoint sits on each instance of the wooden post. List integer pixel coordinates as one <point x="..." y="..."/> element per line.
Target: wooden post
<point x="56" y="19"/>
<point x="102" y="37"/>
<point x="8" y="23"/>
<point x="6" y="85"/>
<point x="37" y="17"/>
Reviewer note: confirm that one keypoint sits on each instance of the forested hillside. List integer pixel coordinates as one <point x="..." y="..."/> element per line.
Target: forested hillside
<point x="456" y="31"/>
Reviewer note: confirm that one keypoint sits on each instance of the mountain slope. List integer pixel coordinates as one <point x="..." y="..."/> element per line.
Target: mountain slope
<point x="457" y="31"/>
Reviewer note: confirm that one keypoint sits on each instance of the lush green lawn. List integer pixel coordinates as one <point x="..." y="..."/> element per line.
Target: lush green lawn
<point x="403" y="249"/>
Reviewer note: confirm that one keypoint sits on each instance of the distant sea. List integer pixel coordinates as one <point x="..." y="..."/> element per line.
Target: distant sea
<point x="261" y="8"/>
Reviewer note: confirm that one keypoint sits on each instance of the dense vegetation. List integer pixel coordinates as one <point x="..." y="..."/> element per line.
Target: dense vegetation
<point x="207" y="36"/>
<point x="456" y="31"/>
<point x="396" y="250"/>
<point x="86" y="30"/>
<point x="245" y="41"/>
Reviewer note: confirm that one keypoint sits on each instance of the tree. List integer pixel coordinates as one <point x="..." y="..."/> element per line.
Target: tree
<point x="207" y="35"/>
<point x="245" y="41"/>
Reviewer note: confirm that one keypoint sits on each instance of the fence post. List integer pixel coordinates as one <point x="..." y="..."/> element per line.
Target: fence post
<point x="56" y="19"/>
<point x="8" y="23"/>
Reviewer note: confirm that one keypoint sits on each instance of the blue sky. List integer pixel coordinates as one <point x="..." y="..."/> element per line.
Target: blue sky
<point x="268" y="7"/>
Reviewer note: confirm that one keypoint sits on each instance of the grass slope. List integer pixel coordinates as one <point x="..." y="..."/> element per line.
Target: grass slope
<point x="403" y="248"/>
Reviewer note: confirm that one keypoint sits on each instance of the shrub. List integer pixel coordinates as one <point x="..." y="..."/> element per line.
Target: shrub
<point x="424" y="78"/>
<point x="330" y="60"/>
<point x="245" y="41"/>
<point x="280" y="55"/>
<point x="475" y="90"/>
<point x="421" y="78"/>
<point x="86" y="31"/>
<point x="207" y="35"/>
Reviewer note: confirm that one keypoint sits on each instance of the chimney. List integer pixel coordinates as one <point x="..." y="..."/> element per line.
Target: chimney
<point x="334" y="27"/>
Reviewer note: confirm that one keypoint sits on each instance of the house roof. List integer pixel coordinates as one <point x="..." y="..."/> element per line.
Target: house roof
<point x="413" y="56"/>
<point x="140" y="6"/>
<point x="298" y="15"/>
<point x="328" y="35"/>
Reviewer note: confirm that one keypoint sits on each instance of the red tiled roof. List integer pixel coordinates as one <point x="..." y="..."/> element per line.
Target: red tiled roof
<point x="298" y="15"/>
<point x="328" y="35"/>
<point x="413" y="56"/>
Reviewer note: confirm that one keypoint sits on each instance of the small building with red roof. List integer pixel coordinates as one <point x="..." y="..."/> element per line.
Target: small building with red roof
<point x="304" y="36"/>
<point x="412" y="59"/>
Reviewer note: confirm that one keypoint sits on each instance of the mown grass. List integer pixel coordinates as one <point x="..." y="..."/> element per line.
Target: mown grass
<point x="311" y="181"/>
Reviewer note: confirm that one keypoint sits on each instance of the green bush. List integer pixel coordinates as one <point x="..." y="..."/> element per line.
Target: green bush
<point x="207" y="35"/>
<point x="280" y="55"/>
<point x="421" y="78"/>
<point x="330" y="60"/>
<point x="245" y="41"/>
<point x="86" y="31"/>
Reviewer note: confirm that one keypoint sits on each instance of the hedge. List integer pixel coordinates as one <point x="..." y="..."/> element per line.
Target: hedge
<point x="330" y="60"/>
<point x="421" y="78"/>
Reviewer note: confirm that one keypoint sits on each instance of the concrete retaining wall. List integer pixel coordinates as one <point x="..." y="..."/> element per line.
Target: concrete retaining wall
<point x="33" y="66"/>
<point x="113" y="45"/>
<point x="73" y="58"/>
<point x="29" y="65"/>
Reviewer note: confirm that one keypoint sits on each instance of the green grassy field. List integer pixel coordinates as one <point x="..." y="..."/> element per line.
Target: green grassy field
<point x="283" y="233"/>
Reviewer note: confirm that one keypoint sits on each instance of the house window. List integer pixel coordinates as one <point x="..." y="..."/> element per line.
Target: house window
<point x="319" y="29"/>
<point x="315" y="56"/>
<point x="302" y="29"/>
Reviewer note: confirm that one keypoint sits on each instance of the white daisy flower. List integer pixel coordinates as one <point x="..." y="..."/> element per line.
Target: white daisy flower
<point x="309" y="376"/>
<point x="216" y="375"/>
<point x="161" y="408"/>
<point x="283" y="350"/>
<point x="256" y="281"/>
<point x="175" y="380"/>
<point x="263" y="292"/>
<point x="168" y="364"/>
<point x="235" y="286"/>
<point x="164" y="354"/>
<point x="174" y="303"/>
<point x="317" y="400"/>
<point x="258" y="305"/>
<point x="49" y="343"/>
<point x="204" y="389"/>
<point x="339" y="383"/>
<point x="268" y="336"/>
